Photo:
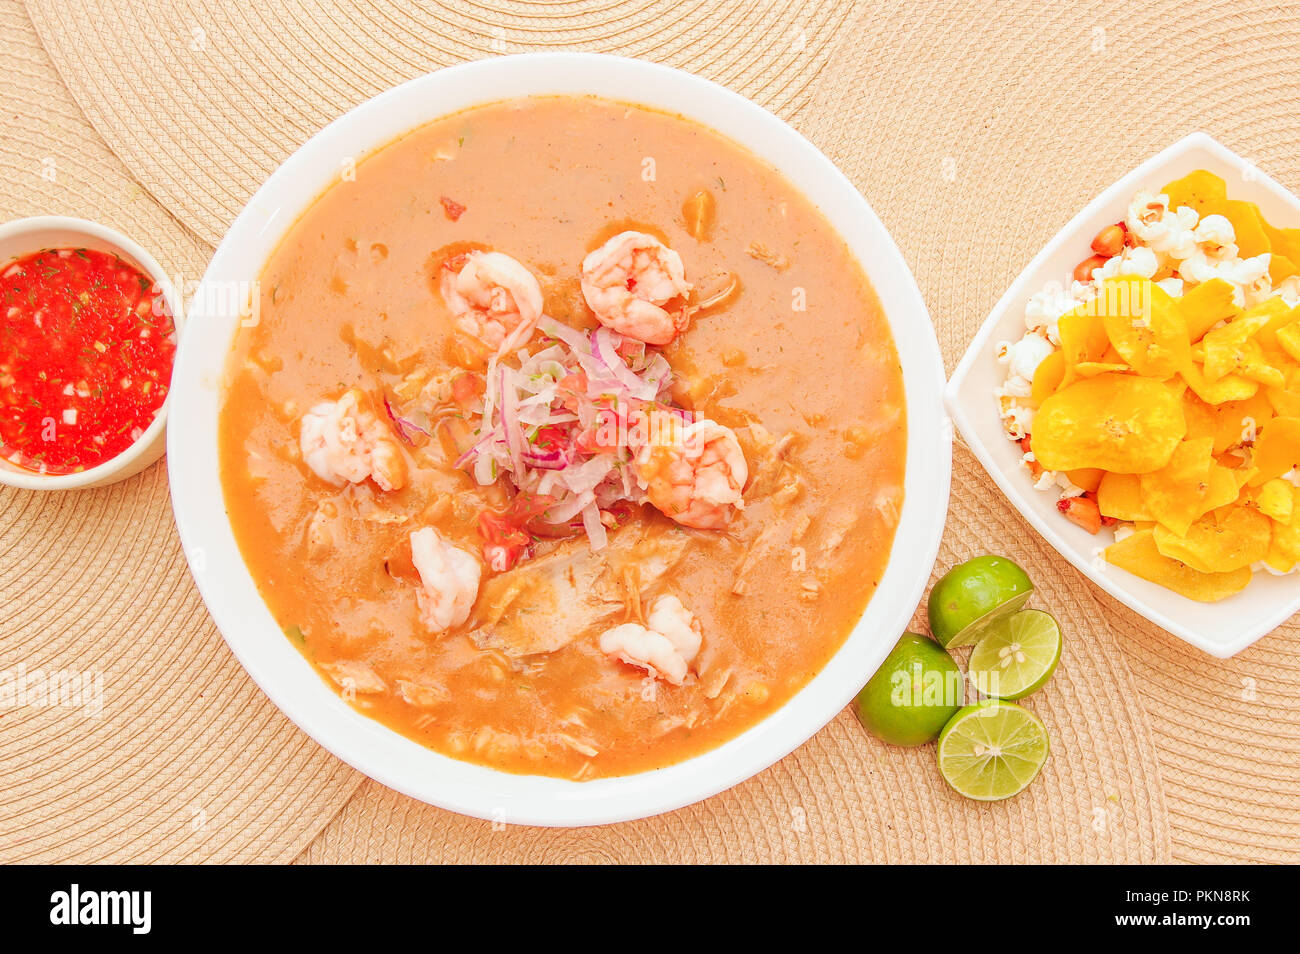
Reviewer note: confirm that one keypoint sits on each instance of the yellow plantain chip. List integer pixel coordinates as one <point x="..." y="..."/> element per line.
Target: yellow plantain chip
<point x="1233" y="350"/>
<point x="1288" y="339"/>
<point x="1228" y="539"/>
<point x="1120" y="496"/>
<point x="1286" y="536"/>
<point x="1278" y="559"/>
<point x="1144" y="325"/>
<point x="1239" y="422"/>
<point x="1202" y="419"/>
<point x="1139" y="555"/>
<point x="1277" y="449"/>
<point x="1090" y="369"/>
<point x="1047" y="377"/>
<point x="1231" y="387"/>
<point x="1285" y="242"/>
<point x="1174" y="494"/>
<point x="1276" y="500"/>
<point x="1089" y="478"/>
<point x="1286" y="403"/>
<point x="1196" y="190"/>
<point x="1225" y="489"/>
<point x="1280" y="267"/>
<point x="1207" y="304"/>
<point x="1115" y="422"/>
<point x="1083" y="340"/>
<point x="1279" y="315"/>
<point x="1247" y="223"/>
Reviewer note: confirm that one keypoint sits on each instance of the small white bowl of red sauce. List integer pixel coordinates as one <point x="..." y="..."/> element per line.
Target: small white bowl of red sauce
<point x="87" y="345"/>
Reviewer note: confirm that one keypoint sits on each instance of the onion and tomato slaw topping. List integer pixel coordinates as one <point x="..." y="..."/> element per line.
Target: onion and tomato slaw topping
<point x="564" y="428"/>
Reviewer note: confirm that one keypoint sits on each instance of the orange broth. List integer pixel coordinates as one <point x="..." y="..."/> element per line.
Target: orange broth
<point x="800" y="363"/>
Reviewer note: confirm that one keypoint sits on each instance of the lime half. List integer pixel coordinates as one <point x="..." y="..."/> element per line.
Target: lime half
<point x="992" y="750"/>
<point x="972" y="595"/>
<point x="1016" y="655"/>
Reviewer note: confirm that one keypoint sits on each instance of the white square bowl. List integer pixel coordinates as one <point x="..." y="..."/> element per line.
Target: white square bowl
<point x="1221" y="629"/>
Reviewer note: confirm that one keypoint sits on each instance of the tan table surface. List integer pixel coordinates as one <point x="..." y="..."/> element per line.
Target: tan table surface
<point x="975" y="131"/>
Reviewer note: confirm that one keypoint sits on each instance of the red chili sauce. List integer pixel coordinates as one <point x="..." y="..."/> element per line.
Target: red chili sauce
<point x="86" y="352"/>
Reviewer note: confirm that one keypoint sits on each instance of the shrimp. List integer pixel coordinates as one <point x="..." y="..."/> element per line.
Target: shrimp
<point x="449" y="578"/>
<point x="345" y="441"/>
<point x="697" y="479"/>
<point x="665" y="647"/>
<point x="493" y="297"/>
<point x="628" y="280"/>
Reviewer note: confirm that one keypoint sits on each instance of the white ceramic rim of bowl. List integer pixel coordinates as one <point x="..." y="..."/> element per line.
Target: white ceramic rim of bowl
<point x="389" y="757"/>
<point x="1221" y="629"/>
<point x="149" y="446"/>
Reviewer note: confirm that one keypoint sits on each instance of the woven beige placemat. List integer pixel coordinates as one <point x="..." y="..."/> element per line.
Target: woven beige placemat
<point x="977" y="131"/>
<point x="244" y="84"/>
<point x="162" y="748"/>
<point x="846" y="797"/>
<point x="842" y="796"/>
<point x="950" y="116"/>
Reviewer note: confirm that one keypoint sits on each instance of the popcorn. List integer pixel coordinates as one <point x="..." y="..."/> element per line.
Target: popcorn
<point x="1289" y="290"/>
<point x="1173" y="287"/>
<point x="1045" y="308"/>
<point x="1250" y="275"/>
<point x="1046" y="480"/>
<point x="1017" y="420"/>
<point x="1023" y="357"/>
<point x="1138" y="260"/>
<point x="1168" y="233"/>
<point x="1213" y="234"/>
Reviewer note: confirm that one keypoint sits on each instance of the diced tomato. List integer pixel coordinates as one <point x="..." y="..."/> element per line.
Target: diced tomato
<point x="603" y="435"/>
<point x="550" y="437"/>
<point x="451" y="208"/>
<point x="505" y="537"/>
<point x="572" y="386"/>
<point x="466" y="390"/>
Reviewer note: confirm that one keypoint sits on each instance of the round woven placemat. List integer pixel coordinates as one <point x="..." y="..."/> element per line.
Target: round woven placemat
<point x="842" y="797"/>
<point x="950" y="116"/>
<point x="244" y="84"/>
<point x="976" y="132"/>
<point x="155" y="745"/>
<point x="846" y="797"/>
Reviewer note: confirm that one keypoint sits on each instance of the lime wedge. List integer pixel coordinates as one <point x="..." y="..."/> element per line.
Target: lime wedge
<point x="972" y="595"/>
<point x="1016" y="655"/>
<point x="992" y="750"/>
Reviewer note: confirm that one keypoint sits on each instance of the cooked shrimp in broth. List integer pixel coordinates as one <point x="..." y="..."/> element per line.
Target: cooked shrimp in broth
<point x="493" y="297"/>
<point x="449" y="578"/>
<point x="628" y="281"/>
<point x="344" y="441"/>
<point x="698" y="479"/>
<point x="665" y="646"/>
<point x="507" y="495"/>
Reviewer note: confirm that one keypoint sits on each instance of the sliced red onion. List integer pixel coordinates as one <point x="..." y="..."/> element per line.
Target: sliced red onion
<point x="575" y="339"/>
<point x="510" y="421"/>
<point x="608" y="353"/>
<point x="402" y="425"/>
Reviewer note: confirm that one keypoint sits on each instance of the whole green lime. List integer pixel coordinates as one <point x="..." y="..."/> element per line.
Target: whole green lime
<point x="972" y="595"/>
<point x="912" y="696"/>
